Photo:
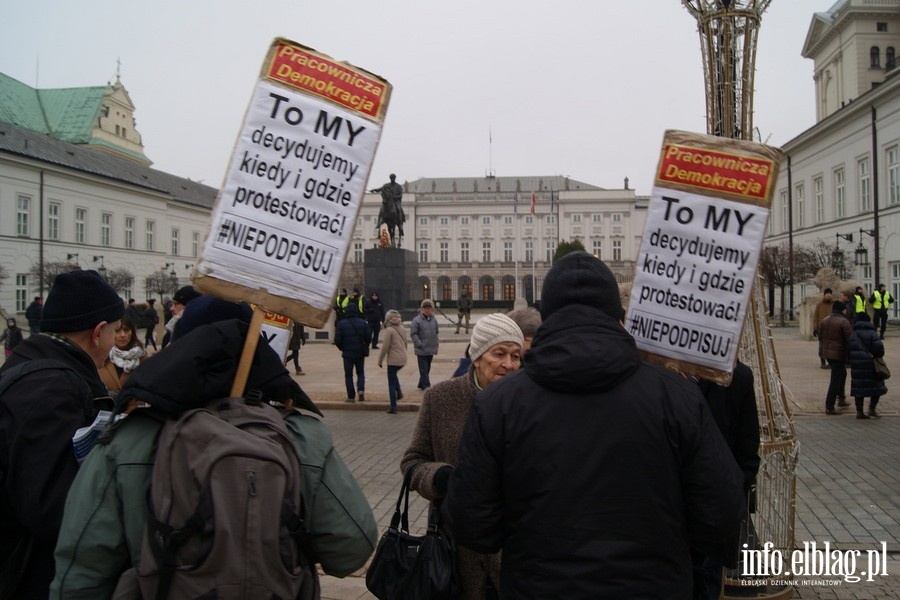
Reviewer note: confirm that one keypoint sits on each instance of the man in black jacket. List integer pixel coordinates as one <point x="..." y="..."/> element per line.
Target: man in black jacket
<point x="734" y="409"/>
<point x="33" y="315"/>
<point x="40" y="412"/>
<point x="595" y="473"/>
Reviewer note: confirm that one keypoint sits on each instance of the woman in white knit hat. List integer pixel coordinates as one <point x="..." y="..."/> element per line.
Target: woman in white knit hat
<point x="496" y="350"/>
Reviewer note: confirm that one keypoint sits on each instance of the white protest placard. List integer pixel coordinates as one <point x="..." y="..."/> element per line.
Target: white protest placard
<point x="283" y="220"/>
<point x="696" y="267"/>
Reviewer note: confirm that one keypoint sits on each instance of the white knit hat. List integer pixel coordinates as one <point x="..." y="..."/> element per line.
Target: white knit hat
<point x="492" y="330"/>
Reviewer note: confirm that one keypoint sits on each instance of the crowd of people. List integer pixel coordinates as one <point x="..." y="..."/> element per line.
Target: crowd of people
<point x="498" y="449"/>
<point x="849" y="337"/>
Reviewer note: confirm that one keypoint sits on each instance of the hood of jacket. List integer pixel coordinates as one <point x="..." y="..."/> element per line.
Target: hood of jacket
<point x="201" y="366"/>
<point x="580" y="348"/>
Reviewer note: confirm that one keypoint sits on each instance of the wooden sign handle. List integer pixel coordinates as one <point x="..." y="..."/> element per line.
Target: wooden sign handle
<point x="243" y="370"/>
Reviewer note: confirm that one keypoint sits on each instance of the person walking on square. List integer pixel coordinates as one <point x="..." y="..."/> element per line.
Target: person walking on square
<point x="496" y="351"/>
<point x="134" y="315"/>
<point x="52" y="388"/>
<point x="393" y="351"/>
<point x="373" y="310"/>
<point x="835" y="331"/>
<point x="351" y="336"/>
<point x="463" y="310"/>
<point x="33" y="315"/>
<point x="424" y="334"/>
<point x="822" y="310"/>
<point x="298" y="339"/>
<point x="150" y="321"/>
<point x="12" y="337"/>
<point x="881" y="301"/>
<point x="848" y="298"/>
<point x="864" y="345"/>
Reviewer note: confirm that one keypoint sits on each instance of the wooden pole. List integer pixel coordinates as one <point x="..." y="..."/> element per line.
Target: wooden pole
<point x="243" y="370"/>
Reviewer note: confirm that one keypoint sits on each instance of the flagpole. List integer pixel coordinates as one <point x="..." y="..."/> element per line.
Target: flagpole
<point x="533" y="252"/>
<point x="516" y="217"/>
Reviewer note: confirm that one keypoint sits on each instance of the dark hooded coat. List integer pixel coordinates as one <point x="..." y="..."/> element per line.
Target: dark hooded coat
<point x="864" y="344"/>
<point x="593" y="472"/>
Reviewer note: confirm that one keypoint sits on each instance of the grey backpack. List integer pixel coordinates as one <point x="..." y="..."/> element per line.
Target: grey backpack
<point x="226" y="514"/>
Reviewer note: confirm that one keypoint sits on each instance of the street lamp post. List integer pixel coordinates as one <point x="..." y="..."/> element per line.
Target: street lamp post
<point x="173" y="276"/>
<point x="837" y="257"/>
<point x="102" y="269"/>
<point x="861" y="254"/>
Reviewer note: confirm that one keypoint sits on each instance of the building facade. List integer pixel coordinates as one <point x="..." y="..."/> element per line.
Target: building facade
<point x="486" y="236"/>
<point x="76" y="190"/>
<point x="840" y="182"/>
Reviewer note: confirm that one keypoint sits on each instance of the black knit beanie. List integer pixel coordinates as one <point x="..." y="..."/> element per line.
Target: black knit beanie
<point x="185" y="294"/>
<point x="580" y="278"/>
<point x="78" y="300"/>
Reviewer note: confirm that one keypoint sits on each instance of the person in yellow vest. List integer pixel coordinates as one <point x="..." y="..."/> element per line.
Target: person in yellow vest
<point x="340" y="305"/>
<point x="881" y="300"/>
<point x="859" y="302"/>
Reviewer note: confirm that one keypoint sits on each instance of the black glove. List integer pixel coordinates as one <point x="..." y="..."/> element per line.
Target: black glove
<point x="441" y="479"/>
<point x="815" y="333"/>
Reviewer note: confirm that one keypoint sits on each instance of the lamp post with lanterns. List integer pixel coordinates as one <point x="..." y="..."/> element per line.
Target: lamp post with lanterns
<point x="102" y="269"/>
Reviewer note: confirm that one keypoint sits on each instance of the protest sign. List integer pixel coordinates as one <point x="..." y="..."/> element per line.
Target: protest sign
<point x="277" y="331"/>
<point x="697" y="264"/>
<point x="282" y="222"/>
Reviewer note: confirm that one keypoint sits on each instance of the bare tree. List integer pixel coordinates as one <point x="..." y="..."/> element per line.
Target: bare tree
<point x="51" y="270"/>
<point x="160" y="282"/>
<point x="825" y="255"/>
<point x="775" y="265"/>
<point x="352" y="275"/>
<point x="120" y="279"/>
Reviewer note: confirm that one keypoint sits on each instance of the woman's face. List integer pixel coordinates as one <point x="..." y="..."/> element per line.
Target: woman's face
<point x="123" y="336"/>
<point x="499" y="360"/>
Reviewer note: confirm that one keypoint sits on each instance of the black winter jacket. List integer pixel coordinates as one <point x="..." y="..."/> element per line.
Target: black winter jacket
<point x="594" y="472"/>
<point x="352" y="334"/>
<point x="39" y="414"/>
<point x="864" y="344"/>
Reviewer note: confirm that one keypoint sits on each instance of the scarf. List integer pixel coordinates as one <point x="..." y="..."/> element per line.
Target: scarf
<point x="127" y="360"/>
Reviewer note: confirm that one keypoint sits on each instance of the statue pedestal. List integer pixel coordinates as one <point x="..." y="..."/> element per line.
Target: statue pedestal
<point x="394" y="273"/>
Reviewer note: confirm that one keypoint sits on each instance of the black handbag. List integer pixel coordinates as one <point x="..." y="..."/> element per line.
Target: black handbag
<point x="411" y="567"/>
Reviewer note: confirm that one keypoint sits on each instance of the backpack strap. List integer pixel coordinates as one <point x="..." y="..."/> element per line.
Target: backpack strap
<point x="10" y="376"/>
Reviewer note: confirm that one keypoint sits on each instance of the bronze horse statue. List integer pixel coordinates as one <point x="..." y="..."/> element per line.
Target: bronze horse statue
<point x="391" y="213"/>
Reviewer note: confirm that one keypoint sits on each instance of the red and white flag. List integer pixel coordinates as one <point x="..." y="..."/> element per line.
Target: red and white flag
<point x="533" y="199"/>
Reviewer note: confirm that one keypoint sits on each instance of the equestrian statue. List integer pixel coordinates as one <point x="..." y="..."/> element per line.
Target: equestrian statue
<point x="391" y="214"/>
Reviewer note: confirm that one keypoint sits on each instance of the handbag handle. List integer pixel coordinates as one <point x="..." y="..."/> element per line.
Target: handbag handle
<point x="401" y="519"/>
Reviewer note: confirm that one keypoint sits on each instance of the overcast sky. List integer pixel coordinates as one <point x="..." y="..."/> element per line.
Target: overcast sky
<point x="583" y="88"/>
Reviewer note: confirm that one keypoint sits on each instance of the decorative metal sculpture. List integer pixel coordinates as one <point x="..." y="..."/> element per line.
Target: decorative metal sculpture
<point x="728" y="32"/>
